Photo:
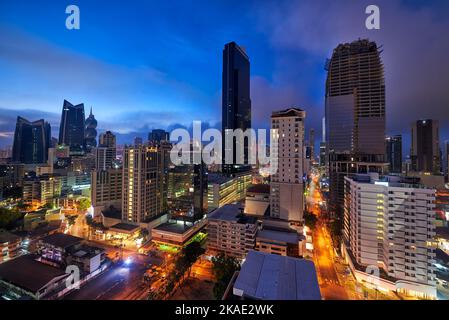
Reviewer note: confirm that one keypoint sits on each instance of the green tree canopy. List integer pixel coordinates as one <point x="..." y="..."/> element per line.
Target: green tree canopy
<point x="223" y="268"/>
<point x="84" y="204"/>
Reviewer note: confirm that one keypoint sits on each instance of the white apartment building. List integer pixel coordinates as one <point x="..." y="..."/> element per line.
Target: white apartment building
<point x="106" y="189"/>
<point x="287" y="187"/>
<point x="143" y="183"/>
<point x="230" y="231"/>
<point x="389" y="224"/>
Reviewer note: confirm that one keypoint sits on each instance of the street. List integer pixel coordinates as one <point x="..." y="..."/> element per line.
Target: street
<point x="330" y="286"/>
<point x="119" y="282"/>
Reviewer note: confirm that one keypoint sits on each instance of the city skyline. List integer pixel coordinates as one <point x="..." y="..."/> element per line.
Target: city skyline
<point x="176" y="79"/>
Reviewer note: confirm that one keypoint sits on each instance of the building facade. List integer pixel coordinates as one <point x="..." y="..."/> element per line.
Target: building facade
<point x="31" y="141"/>
<point x="230" y="231"/>
<point x="106" y="189"/>
<point x="287" y="184"/>
<point x="143" y="187"/>
<point x="355" y="115"/>
<point x="90" y="135"/>
<point x="425" y="148"/>
<point x="72" y="127"/>
<point x="389" y="224"/>
<point x="236" y="101"/>
<point x="394" y="153"/>
<point x="224" y="189"/>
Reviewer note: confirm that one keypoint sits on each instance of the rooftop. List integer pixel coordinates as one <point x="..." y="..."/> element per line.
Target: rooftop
<point x="125" y="226"/>
<point x="173" y="227"/>
<point x="231" y="213"/>
<point x="272" y="277"/>
<point x="217" y="178"/>
<point x="290" y="112"/>
<point x="61" y="240"/>
<point x="86" y="251"/>
<point x="27" y="273"/>
<point x="259" y="188"/>
<point x="280" y="236"/>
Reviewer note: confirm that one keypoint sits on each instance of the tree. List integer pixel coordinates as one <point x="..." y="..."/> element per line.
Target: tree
<point x="143" y="234"/>
<point x="223" y="268"/>
<point x="84" y="204"/>
<point x="9" y="218"/>
<point x="71" y="219"/>
<point x="310" y="220"/>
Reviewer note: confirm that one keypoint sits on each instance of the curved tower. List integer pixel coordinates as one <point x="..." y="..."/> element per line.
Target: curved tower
<point x="91" y="132"/>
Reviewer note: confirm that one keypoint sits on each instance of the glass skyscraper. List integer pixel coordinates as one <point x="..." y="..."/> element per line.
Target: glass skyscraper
<point x="71" y="129"/>
<point x="236" y="101"/>
<point x="31" y="141"/>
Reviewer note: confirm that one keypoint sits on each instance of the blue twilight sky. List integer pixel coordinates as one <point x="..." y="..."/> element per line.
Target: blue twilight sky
<point x="157" y="64"/>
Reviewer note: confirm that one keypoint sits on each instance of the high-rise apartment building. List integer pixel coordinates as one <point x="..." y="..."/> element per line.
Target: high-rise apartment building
<point x="72" y="127"/>
<point x="389" y="224"/>
<point x="143" y="190"/>
<point x="425" y="149"/>
<point x="355" y="115"/>
<point x="31" y="141"/>
<point x="394" y="153"/>
<point x="287" y="185"/>
<point x="236" y="101"/>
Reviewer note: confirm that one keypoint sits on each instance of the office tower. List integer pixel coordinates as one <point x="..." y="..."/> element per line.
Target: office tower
<point x="107" y="140"/>
<point x="394" y="153"/>
<point x="138" y="141"/>
<point x="31" y="141"/>
<point x="389" y="223"/>
<point x="106" y="189"/>
<point x="355" y="116"/>
<point x="236" y="101"/>
<point x="158" y="135"/>
<point x="425" y="149"/>
<point x="143" y="188"/>
<point x="187" y="186"/>
<point x="312" y="145"/>
<point x="91" y="132"/>
<point x="287" y="187"/>
<point x="71" y="129"/>
<point x="230" y="231"/>
<point x="223" y="189"/>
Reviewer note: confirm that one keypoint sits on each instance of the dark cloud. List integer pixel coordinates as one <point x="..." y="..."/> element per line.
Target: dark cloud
<point x="415" y="41"/>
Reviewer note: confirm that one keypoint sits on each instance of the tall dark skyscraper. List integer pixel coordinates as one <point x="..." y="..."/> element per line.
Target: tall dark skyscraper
<point x="71" y="129"/>
<point x="236" y="103"/>
<point x="31" y="141"/>
<point x="425" y="151"/>
<point x="158" y="135"/>
<point x="90" y="134"/>
<point x="394" y="153"/>
<point x="355" y="115"/>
